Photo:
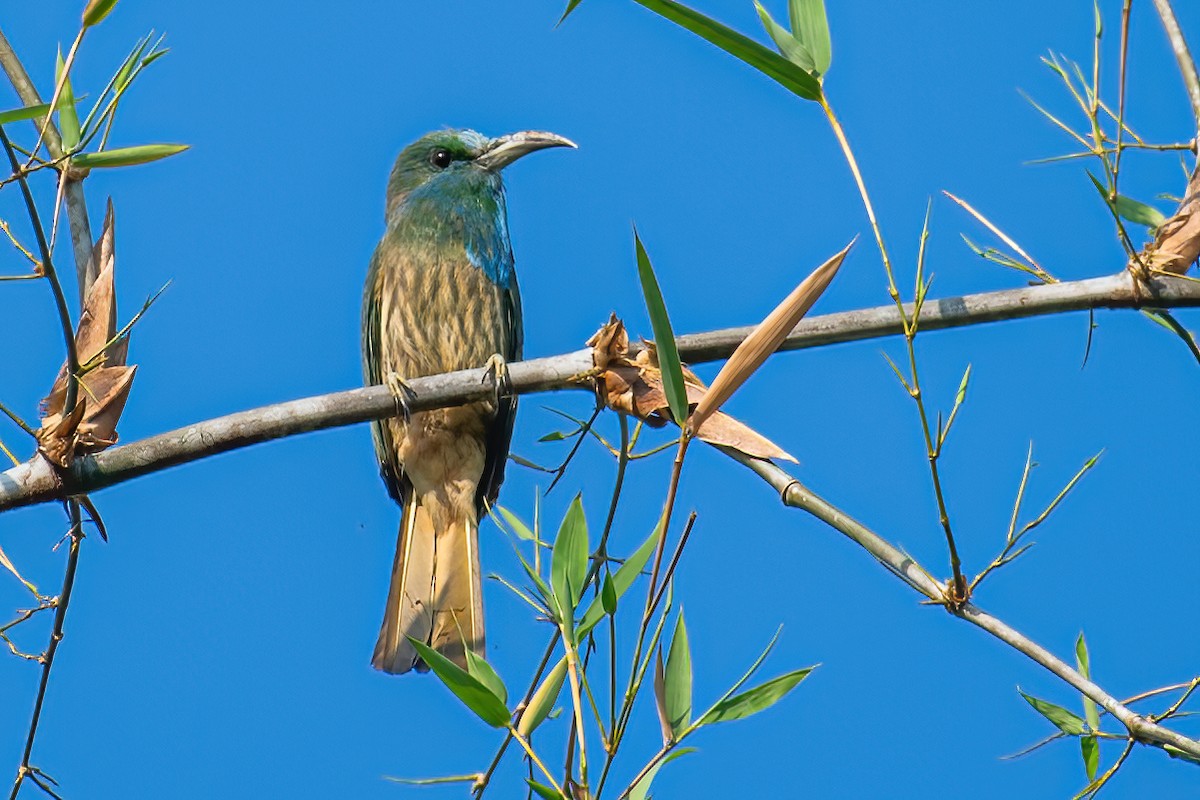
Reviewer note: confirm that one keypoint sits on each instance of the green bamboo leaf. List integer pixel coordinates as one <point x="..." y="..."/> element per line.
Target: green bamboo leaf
<point x="768" y="62"/>
<point x="538" y="582"/>
<point x="810" y="27"/>
<point x="664" y="336"/>
<point x="155" y="56"/>
<point x="96" y="10"/>
<point x="1090" y="748"/>
<point x="545" y="792"/>
<point x="754" y="700"/>
<point x="1139" y="213"/>
<point x="789" y="46"/>
<point x="622" y="580"/>
<point x="569" y="562"/>
<point x="7" y="563"/>
<point x="473" y="694"/>
<point x="608" y="595"/>
<point x="124" y="74"/>
<point x="641" y="789"/>
<point x="127" y="156"/>
<point x="678" y="680"/>
<point x="961" y="394"/>
<point x="68" y="118"/>
<point x="1062" y="719"/>
<point x="571" y="6"/>
<point x="1084" y="663"/>
<point x="479" y="669"/>
<point x="28" y="112"/>
<point x="517" y="524"/>
<point x="543" y="700"/>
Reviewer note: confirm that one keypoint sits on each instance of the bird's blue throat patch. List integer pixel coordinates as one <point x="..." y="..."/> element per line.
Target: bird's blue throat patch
<point x="463" y="207"/>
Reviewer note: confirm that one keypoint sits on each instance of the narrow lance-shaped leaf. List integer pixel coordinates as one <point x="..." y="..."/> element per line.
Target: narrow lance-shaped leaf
<point x="516" y="523"/>
<point x="678" y="680"/>
<point x="28" y="112"/>
<point x="641" y="790"/>
<point x="810" y="26"/>
<point x="568" y="562"/>
<point x="791" y="48"/>
<point x="754" y="700"/>
<point x="622" y="580"/>
<point x="473" y="693"/>
<point x="1084" y="663"/>
<point x="544" y="792"/>
<point x="608" y="594"/>
<point x="127" y="156"/>
<point x="1139" y="213"/>
<point x="479" y="669"/>
<point x="543" y="700"/>
<point x="664" y="335"/>
<point x="11" y="567"/>
<point x="1089" y="748"/>
<point x="766" y="338"/>
<point x="571" y="6"/>
<point x="68" y="118"/>
<point x="1060" y="717"/>
<point x="96" y="10"/>
<point x="768" y="62"/>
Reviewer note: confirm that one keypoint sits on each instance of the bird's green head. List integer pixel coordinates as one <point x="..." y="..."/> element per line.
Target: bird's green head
<point x="449" y="162"/>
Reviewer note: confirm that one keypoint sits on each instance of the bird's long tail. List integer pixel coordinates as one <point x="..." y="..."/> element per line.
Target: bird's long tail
<point x="436" y="590"/>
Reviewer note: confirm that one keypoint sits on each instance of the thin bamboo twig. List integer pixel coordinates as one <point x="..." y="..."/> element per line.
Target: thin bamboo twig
<point x="64" y="598"/>
<point x="1187" y="66"/>
<point x="795" y="494"/>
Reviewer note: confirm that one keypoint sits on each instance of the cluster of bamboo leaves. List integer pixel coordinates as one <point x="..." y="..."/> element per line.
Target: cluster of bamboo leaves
<point x="578" y="592"/>
<point x="78" y="135"/>
<point x="800" y="65"/>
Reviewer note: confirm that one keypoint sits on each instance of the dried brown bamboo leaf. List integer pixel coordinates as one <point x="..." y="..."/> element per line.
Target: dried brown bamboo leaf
<point x="107" y="390"/>
<point x="1176" y="244"/>
<point x="98" y="322"/>
<point x="766" y="338"/>
<point x="632" y="384"/>
<point x="722" y="429"/>
<point x="104" y="379"/>
<point x="56" y="438"/>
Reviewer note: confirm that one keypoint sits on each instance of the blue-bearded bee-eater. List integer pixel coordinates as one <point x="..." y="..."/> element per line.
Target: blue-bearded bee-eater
<point x="441" y="295"/>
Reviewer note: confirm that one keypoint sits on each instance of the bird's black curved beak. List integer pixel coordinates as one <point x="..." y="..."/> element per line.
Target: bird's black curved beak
<point x="504" y="150"/>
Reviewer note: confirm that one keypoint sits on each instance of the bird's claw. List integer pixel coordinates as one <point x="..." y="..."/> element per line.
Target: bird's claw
<point x="402" y="393"/>
<point x="496" y="371"/>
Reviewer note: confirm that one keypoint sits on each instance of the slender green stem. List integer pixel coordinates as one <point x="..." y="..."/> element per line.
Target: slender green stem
<point x="910" y="330"/>
<point x="577" y="703"/>
<point x="852" y="162"/>
<point x="521" y="740"/>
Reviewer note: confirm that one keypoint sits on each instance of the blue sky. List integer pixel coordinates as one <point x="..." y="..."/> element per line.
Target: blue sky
<point x="219" y="644"/>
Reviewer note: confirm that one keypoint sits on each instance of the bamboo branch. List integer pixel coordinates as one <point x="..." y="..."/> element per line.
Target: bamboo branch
<point x="1187" y="67"/>
<point x="77" y="216"/>
<point x="37" y="482"/>
<point x="795" y="494"/>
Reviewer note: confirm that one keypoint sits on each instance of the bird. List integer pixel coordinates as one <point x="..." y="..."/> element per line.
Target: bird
<point x="441" y="295"/>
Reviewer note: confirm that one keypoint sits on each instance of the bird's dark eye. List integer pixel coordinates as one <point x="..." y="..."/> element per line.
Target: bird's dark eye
<point x="440" y="158"/>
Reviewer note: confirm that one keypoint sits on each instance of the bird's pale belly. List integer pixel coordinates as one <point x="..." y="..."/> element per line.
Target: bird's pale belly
<point x="452" y="319"/>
